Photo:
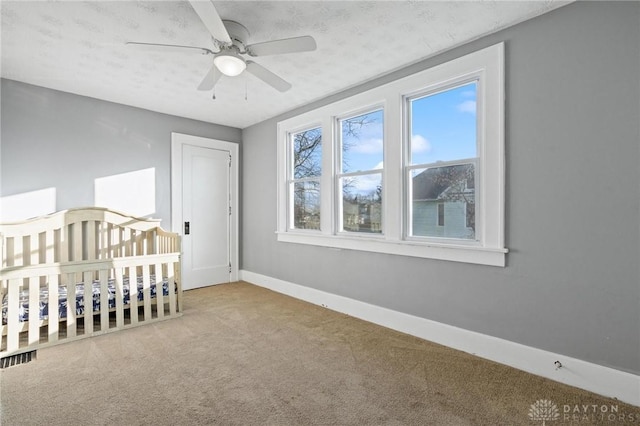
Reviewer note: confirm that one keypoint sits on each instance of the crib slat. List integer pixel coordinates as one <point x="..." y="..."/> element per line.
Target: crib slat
<point x="122" y="242"/>
<point x="104" y="300"/>
<point x="18" y="251"/>
<point x="101" y="240"/>
<point x="34" y="249"/>
<point x="77" y="240"/>
<point x="134" y="242"/>
<point x="145" y="243"/>
<point x="159" y="291"/>
<point x="109" y="253"/>
<point x="34" y="310"/>
<point x="126" y="241"/>
<point x="4" y="287"/>
<point x="5" y="244"/>
<point x="104" y="241"/>
<point x="64" y="244"/>
<point x="87" y="279"/>
<point x="133" y="294"/>
<point x="49" y="242"/>
<point x="111" y="250"/>
<point x="42" y="248"/>
<point x="172" y="292"/>
<point x="68" y="281"/>
<point x="119" y="289"/>
<point x="91" y="239"/>
<point x="106" y="244"/>
<point x="146" y="292"/>
<point x="13" y="300"/>
<point x="39" y="253"/>
<point x="54" y="314"/>
<point x="153" y="241"/>
<point x="114" y="245"/>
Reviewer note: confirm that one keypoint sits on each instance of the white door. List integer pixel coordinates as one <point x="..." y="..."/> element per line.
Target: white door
<point x="206" y="212"/>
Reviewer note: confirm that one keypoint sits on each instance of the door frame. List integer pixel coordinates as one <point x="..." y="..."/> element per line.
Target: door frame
<point x="178" y="140"/>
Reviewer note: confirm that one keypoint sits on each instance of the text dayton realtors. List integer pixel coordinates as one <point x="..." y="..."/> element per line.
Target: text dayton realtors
<point x="580" y="412"/>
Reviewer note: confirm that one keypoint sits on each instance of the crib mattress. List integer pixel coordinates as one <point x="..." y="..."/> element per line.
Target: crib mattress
<point x="23" y="310"/>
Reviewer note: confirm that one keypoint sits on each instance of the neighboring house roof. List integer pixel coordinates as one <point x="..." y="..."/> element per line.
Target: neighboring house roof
<point x="433" y="183"/>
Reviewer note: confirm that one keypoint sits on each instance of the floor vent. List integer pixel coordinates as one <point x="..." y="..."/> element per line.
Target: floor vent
<point x="22" y="358"/>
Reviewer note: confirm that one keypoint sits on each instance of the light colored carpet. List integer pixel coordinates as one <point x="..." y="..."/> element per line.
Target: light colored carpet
<point x="243" y="355"/>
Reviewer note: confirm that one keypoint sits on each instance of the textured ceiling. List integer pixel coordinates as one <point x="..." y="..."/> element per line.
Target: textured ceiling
<point x="79" y="47"/>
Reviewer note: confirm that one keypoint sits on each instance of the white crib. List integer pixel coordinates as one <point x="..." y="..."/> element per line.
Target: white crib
<point x="83" y="272"/>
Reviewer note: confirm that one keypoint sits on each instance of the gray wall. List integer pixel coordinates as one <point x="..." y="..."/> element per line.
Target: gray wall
<point x="573" y="197"/>
<point x="56" y="139"/>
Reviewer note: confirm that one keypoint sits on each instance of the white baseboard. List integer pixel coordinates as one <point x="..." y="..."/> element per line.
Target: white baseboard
<point x="595" y="378"/>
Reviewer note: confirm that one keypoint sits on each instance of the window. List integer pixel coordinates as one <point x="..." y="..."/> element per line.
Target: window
<point x="414" y="167"/>
<point x="306" y="169"/>
<point x="442" y="161"/>
<point x="440" y="214"/>
<point x="360" y="176"/>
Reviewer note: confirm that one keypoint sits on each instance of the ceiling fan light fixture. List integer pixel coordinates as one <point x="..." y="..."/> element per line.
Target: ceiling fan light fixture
<point x="229" y="64"/>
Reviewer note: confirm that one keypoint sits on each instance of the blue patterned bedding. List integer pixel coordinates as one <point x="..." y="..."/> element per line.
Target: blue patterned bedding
<point x="23" y="311"/>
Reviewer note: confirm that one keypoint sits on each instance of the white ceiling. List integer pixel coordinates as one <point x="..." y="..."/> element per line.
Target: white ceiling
<point x="79" y="47"/>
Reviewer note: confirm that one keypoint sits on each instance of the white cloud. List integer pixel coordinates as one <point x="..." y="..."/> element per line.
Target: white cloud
<point x="467" y="106"/>
<point x="367" y="146"/>
<point x="366" y="183"/>
<point x="379" y="166"/>
<point x="420" y="144"/>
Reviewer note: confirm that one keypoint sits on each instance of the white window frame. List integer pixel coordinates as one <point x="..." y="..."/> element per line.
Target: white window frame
<point x="291" y="180"/>
<point x="486" y="65"/>
<point x="339" y="173"/>
<point x="409" y="166"/>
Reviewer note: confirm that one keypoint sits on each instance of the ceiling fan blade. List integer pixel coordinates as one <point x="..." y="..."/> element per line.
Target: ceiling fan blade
<point x="169" y="47"/>
<point x="210" y="18"/>
<point x="286" y="45"/>
<point x="210" y="79"/>
<point x="268" y="77"/>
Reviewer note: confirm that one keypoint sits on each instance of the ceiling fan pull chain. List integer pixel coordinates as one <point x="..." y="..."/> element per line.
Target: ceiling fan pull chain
<point x="215" y="71"/>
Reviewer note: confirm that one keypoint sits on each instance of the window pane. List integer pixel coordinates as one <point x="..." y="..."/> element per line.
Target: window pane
<point x="443" y="125"/>
<point x="362" y="142"/>
<point x="362" y="203"/>
<point x="442" y="202"/>
<point x="471" y="215"/>
<point x="307" y="153"/>
<point x="441" y="214"/>
<point x="306" y="205"/>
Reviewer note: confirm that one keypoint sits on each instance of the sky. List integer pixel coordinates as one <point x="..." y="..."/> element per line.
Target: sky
<point x="443" y="128"/>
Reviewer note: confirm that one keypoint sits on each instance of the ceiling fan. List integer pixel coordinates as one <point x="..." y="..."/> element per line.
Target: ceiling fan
<point x="229" y="39"/>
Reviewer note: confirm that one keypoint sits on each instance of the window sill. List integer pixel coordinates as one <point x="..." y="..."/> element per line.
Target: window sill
<point x="451" y="252"/>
